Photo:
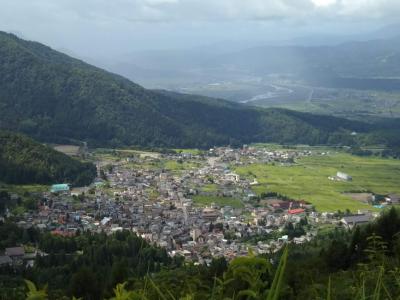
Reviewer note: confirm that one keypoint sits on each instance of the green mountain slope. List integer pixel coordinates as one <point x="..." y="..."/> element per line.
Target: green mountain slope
<point x="22" y="160"/>
<point x="55" y="98"/>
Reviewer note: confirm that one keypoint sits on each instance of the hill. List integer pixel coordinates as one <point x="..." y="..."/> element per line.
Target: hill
<point x="55" y="98"/>
<point x="22" y="160"/>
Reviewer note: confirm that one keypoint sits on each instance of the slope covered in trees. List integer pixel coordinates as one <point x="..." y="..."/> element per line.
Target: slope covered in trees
<point x="53" y="97"/>
<point x="22" y="160"/>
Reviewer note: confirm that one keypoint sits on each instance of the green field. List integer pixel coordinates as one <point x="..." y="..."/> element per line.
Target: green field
<point x="210" y="188"/>
<point x="24" y="188"/>
<point x="191" y="151"/>
<point x="173" y="165"/>
<point x="308" y="179"/>
<point x="202" y="200"/>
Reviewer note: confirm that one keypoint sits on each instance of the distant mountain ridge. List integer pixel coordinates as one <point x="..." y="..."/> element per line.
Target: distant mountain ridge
<point x="55" y="98"/>
<point x="373" y="56"/>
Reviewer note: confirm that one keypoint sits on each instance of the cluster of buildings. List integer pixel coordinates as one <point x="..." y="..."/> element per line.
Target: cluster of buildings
<point x="159" y="204"/>
<point x="250" y="155"/>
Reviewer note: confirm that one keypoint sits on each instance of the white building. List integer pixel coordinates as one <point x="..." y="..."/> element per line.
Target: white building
<point x="343" y="176"/>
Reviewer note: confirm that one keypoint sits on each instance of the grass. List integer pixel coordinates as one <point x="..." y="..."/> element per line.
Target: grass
<point x="67" y="149"/>
<point x="324" y="229"/>
<point x="269" y="146"/>
<point x="173" y="165"/>
<point x="24" y="188"/>
<point x="202" y="200"/>
<point x="191" y="151"/>
<point x="145" y="165"/>
<point x="153" y="194"/>
<point x="209" y="188"/>
<point x="308" y="179"/>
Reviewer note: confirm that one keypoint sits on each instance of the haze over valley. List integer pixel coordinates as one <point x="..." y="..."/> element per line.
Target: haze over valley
<point x="362" y="72"/>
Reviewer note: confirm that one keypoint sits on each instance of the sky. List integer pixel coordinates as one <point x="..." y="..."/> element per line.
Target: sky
<point x="103" y="28"/>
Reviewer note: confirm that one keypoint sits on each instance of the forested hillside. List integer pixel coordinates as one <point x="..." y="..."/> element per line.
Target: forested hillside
<point x="22" y="160"/>
<point x="55" y="98"/>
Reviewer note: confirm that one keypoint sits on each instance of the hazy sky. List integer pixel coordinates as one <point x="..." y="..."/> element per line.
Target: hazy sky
<point x="110" y="27"/>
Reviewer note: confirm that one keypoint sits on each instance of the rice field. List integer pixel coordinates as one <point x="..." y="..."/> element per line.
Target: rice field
<point x="203" y="200"/>
<point x="308" y="179"/>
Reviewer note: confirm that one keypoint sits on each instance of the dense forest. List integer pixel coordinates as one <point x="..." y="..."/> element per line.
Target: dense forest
<point x="55" y="98"/>
<point x="23" y="160"/>
<point x="338" y="264"/>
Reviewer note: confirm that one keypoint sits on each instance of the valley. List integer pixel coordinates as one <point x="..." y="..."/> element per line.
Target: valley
<point x="297" y="95"/>
<point x="266" y="167"/>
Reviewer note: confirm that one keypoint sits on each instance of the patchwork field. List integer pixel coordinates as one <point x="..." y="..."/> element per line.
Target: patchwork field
<point x="175" y="166"/>
<point x="203" y="200"/>
<point x="70" y="150"/>
<point x="23" y="188"/>
<point x="308" y="179"/>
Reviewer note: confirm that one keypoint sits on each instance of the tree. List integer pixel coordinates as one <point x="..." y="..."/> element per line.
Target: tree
<point x="122" y="294"/>
<point x="119" y="272"/>
<point x="84" y="284"/>
<point x="246" y="276"/>
<point x="33" y="293"/>
<point x="218" y="266"/>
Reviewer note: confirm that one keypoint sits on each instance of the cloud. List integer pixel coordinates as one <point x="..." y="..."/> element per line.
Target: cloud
<point x="110" y="26"/>
<point x="229" y="10"/>
<point x="201" y="10"/>
<point x="369" y="9"/>
<point x="196" y="10"/>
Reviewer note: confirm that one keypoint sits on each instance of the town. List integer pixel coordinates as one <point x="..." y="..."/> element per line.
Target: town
<point x="190" y="202"/>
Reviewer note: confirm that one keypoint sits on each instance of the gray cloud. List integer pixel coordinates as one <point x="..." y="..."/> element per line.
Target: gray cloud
<point x="196" y="10"/>
<point x="114" y="26"/>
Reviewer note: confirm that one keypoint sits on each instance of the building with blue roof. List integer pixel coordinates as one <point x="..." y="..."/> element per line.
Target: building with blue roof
<point x="59" y="188"/>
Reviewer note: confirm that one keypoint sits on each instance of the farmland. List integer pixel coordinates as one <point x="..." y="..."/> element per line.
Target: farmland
<point x="308" y="179"/>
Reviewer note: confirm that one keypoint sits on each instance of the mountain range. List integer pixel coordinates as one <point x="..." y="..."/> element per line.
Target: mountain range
<point x="55" y="98"/>
<point x="367" y="62"/>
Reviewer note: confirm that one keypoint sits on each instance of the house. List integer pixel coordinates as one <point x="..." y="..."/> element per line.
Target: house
<point x="195" y="234"/>
<point x="16" y="254"/>
<point x="296" y="211"/>
<point x="352" y="221"/>
<point x="343" y="176"/>
<point x="5" y="260"/>
<point x="393" y="199"/>
<point x="276" y="203"/>
<point x="232" y="177"/>
<point x="210" y="214"/>
<point x="59" y="188"/>
<point x="79" y="191"/>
